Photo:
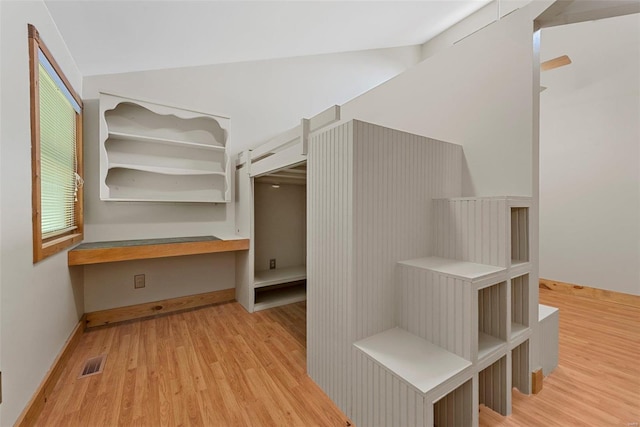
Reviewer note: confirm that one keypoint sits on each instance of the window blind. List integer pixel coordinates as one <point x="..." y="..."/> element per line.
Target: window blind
<point x="57" y="156"/>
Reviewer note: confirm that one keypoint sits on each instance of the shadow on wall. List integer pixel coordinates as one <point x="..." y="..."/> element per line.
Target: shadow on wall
<point x="468" y="189"/>
<point x="76" y="277"/>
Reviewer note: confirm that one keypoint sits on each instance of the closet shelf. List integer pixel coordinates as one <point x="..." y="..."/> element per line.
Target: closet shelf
<point x="144" y="138"/>
<point x="278" y="276"/>
<point x="277" y="297"/>
<point x="417" y="361"/>
<point x="127" y="250"/>
<point x="164" y="170"/>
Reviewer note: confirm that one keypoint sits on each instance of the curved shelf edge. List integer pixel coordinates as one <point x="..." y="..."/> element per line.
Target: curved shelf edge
<point x="164" y="170"/>
<point x="146" y="138"/>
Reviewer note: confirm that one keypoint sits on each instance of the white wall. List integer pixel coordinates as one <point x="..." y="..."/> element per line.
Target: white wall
<point x="263" y="98"/>
<point x="478" y="94"/>
<point x="280" y="225"/>
<point x="474" y="22"/>
<point x="41" y="303"/>
<point x="590" y="155"/>
<point x="1" y="56"/>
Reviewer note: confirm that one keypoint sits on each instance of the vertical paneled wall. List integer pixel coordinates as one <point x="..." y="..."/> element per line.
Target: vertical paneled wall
<point x="520" y="300"/>
<point x="395" y="176"/>
<point x="330" y="262"/>
<point x="455" y="409"/>
<point x="519" y="234"/>
<point x="430" y="307"/>
<point x="492" y="310"/>
<point x="369" y="206"/>
<point x="383" y="399"/>
<point x="471" y="230"/>
<point x="493" y="386"/>
<point x="520" y="367"/>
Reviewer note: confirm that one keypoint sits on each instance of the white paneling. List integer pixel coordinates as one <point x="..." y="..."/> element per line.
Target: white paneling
<point x="435" y="308"/>
<point x="520" y="373"/>
<point x="369" y="206"/>
<point x="392" y="211"/>
<point x="471" y="229"/>
<point x="548" y="338"/>
<point x="330" y="290"/>
<point x="493" y="386"/>
<point x="456" y="408"/>
<point x="383" y="399"/>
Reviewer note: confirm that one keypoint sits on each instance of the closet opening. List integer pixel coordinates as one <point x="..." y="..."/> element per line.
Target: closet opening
<point x="280" y="237"/>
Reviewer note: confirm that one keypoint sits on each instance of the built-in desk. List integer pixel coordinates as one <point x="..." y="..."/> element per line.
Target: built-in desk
<point x="127" y="250"/>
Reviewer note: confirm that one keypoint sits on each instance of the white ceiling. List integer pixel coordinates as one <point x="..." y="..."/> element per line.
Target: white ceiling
<point x="120" y="36"/>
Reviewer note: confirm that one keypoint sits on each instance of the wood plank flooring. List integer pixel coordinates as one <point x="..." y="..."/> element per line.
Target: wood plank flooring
<point x="216" y="366"/>
<point x="597" y="382"/>
<point x="220" y="366"/>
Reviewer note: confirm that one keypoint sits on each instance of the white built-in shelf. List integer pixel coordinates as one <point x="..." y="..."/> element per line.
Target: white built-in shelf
<point x="167" y="141"/>
<point x="517" y="329"/>
<point x="488" y="345"/>
<point x="516" y="263"/>
<point x="420" y="363"/>
<point x="519" y="235"/>
<point x="279" y="275"/>
<point x="153" y="152"/>
<point x="464" y="270"/>
<point x="271" y="298"/>
<point x="163" y="170"/>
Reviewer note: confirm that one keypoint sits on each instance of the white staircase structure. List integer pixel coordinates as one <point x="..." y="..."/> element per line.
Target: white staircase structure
<point x="420" y="301"/>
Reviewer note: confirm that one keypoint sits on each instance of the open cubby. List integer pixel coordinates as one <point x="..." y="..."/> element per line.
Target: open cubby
<point x="519" y="235"/>
<point x="127" y="184"/>
<point x="492" y="318"/>
<point x="519" y="304"/>
<point x="492" y="386"/>
<point x="280" y="238"/>
<point x="456" y="408"/>
<point x="281" y="294"/>
<point x="520" y="378"/>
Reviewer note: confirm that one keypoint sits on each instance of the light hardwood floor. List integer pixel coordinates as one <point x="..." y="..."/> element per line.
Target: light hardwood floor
<point x="220" y="366"/>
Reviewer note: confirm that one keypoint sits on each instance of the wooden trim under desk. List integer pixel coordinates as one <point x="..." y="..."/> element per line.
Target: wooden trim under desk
<point x="33" y="409"/>
<point x="138" y="311"/>
<point x="587" y="292"/>
<point x="127" y="250"/>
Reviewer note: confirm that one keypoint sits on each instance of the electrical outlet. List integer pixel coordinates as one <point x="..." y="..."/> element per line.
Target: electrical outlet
<point x="272" y="264"/>
<point x="138" y="281"/>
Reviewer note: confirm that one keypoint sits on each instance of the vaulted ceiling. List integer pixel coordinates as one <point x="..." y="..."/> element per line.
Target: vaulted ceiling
<point x="121" y="36"/>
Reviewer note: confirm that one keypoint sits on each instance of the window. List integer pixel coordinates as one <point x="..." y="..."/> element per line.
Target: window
<point x="56" y="154"/>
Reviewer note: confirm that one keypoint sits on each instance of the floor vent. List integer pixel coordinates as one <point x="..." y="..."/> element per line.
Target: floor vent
<point x="93" y="366"/>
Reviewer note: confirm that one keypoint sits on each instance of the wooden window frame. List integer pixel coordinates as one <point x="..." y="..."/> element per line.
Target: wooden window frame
<point x="43" y="248"/>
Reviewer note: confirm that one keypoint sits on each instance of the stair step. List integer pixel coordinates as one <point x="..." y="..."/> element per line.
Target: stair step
<point x="468" y="271"/>
<point x="415" y="360"/>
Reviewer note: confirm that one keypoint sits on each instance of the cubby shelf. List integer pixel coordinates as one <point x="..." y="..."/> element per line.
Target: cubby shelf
<point x="167" y="141"/>
<point x="155" y="153"/>
<point x="417" y="361"/>
<point x="279" y="275"/>
<point x="268" y="298"/>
